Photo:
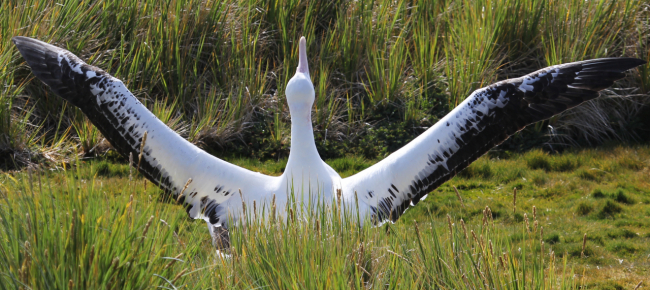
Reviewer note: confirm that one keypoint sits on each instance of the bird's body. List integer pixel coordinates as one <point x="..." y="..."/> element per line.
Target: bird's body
<point x="215" y="190"/>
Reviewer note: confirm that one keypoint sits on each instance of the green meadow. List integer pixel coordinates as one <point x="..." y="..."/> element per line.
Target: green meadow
<point x="74" y="215"/>
<point x="579" y="220"/>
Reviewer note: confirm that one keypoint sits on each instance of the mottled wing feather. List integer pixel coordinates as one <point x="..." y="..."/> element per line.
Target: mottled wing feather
<point x="168" y="160"/>
<point x="484" y="120"/>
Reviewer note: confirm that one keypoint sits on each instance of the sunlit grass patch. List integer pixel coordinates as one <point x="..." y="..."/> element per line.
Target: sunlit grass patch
<point x="123" y="237"/>
<point x="591" y="174"/>
<point x="347" y="166"/>
<point x="622" y="247"/>
<point x="104" y="187"/>
<point x="538" y="159"/>
<point x="97" y="196"/>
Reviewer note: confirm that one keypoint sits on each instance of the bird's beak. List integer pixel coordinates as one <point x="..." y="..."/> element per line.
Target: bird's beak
<point x="303" y="67"/>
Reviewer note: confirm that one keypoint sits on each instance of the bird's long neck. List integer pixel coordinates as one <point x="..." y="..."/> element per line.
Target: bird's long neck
<point x="303" y="153"/>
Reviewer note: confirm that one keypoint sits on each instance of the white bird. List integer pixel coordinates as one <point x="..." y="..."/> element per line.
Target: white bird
<point x="385" y="190"/>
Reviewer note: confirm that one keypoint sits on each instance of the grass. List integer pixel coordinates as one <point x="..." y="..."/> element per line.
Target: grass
<point x="97" y="226"/>
<point x="63" y="230"/>
<point x="215" y="71"/>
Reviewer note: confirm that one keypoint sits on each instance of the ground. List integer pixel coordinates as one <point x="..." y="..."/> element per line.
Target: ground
<point x="603" y="193"/>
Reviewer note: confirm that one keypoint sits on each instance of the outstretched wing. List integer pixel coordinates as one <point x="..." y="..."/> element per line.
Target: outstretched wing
<point x="168" y="160"/>
<point x="485" y="119"/>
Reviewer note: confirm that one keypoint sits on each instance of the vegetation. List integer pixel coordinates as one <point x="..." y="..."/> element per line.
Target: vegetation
<point x="97" y="226"/>
<point x="384" y="71"/>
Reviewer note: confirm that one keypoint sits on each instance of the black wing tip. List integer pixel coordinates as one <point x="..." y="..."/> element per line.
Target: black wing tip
<point x="613" y="64"/>
<point x="30" y="47"/>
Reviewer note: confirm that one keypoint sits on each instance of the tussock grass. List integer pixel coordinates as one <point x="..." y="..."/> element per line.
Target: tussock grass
<point x="93" y="226"/>
<point x="51" y="221"/>
<point x="65" y="230"/>
<point x="215" y="71"/>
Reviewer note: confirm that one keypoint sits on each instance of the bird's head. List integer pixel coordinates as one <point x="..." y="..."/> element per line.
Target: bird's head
<point x="300" y="90"/>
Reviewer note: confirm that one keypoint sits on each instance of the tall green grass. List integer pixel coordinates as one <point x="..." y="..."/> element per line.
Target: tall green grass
<point x="92" y="227"/>
<point x="211" y="69"/>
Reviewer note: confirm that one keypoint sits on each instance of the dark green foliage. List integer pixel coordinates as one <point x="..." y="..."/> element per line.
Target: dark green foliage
<point x="596" y="238"/>
<point x="387" y="136"/>
<point x="609" y="210"/>
<point x="621" y="233"/>
<point x="575" y="250"/>
<point x="110" y="169"/>
<point x="538" y="159"/>
<point x="584" y="208"/>
<point x="598" y="193"/>
<point x="622" y="247"/>
<point x="621" y="197"/>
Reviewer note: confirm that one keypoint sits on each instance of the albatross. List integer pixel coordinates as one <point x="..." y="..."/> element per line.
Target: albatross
<point x="214" y="190"/>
